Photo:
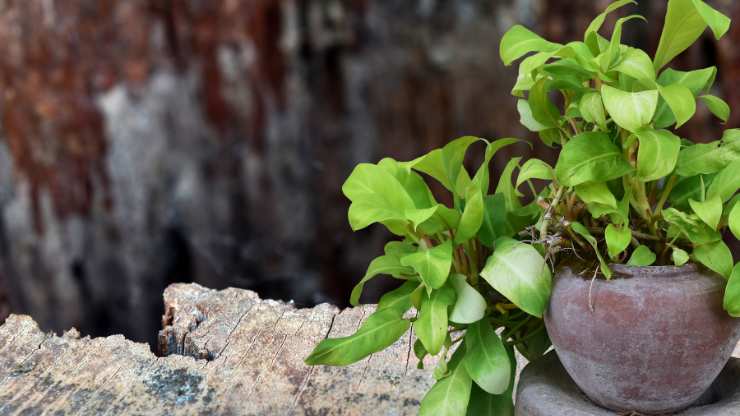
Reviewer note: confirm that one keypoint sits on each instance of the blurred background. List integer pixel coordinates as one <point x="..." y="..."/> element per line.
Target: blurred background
<point x="146" y="142"/>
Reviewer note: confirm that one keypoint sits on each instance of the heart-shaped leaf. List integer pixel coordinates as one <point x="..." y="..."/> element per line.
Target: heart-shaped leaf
<point x="617" y="239"/>
<point x="433" y="264"/>
<point x="716" y="256"/>
<point x="590" y="157"/>
<point x="642" y="256"/>
<point x="630" y="110"/>
<point x="710" y="210"/>
<point x="657" y="155"/>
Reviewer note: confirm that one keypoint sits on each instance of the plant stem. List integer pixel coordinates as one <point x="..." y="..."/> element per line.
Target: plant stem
<point x="664" y="196"/>
<point x="548" y="214"/>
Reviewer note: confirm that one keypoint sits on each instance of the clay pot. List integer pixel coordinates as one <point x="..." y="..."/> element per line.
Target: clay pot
<point x="651" y="340"/>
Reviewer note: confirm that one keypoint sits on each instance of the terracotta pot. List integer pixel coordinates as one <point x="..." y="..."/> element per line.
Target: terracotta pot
<point x="651" y="340"/>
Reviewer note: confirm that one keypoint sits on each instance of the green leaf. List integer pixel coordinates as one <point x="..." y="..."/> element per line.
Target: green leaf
<point x="733" y="220"/>
<point x="590" y="157"/>
<point x="486" y="360"/>
<point x="710" y="210"/>
<point x="484" y="404"/>
<point x="696" y="81"/>
<point x="596" y="193"/>
<point x="446" y="164"/>
<point x="685" y="21"/>
<point x="717" y="106"/>
<point x="502" y="221"/>
<point x="630" y="110"/>
<point x="518" y="271"/>
<point x="637" y="64"/>
<point x="706" y="158"/>
<point x="679" y="256"/>
<point x="596" y="24"/>
<point x="386" y="264"/>
<point x="657" y="155"/>
<point x="726" y="183"/>
<point x="449" y="396"/>
<point x="411" y="182"/>
<point x="376" y="196"/>
<point x="612" y="54"/>
<point x="693" y="228"/>
<point x="642" y="256"/>
<point x="378" y="332"/>
<point x="482" y="176"/>
<point x="592" y="109"/>
<point x="716" y="21"/>
<point x="731" y="301"/>
<point x="715" y="256"/>
<point x="470" y="306"/>
<point x="399" y="299"/>
<point x="534" y="169"/>
<point x="505" y="185"/>
<point x="617" y="239"/>
<point x="433" y="265"/>
<point x="543" y="110"/>
<point x="527" y="119"/>
<point x="681" y="102"/>
<point x="471" y="219"/>
<point x="527" y="68"/>
<point x="431" y="325"/>
<point x="519" y="41"/>
<point x="581" y="230"/>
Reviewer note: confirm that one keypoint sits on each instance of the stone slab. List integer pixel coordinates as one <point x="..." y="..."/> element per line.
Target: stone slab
<point x="545" y="389"/>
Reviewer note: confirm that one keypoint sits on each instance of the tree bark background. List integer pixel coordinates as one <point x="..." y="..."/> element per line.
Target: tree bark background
<point x="146" y="142"/>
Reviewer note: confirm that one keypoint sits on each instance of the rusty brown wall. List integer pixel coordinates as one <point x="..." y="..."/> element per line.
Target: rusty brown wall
<point x="152" y="141"/>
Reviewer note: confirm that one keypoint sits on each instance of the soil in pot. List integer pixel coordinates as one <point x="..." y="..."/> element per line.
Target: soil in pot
<point x="650" y="340"/>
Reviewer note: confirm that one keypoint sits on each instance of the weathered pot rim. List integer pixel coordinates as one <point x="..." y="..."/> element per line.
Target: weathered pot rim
<point x="627" y="271"/>
<point x="653" y="271"/>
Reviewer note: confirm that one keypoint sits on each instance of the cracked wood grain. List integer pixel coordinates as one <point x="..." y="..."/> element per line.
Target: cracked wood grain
<point x="222" y="352"/>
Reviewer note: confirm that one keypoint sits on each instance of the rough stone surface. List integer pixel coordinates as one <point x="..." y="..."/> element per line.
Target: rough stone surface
<point x="251" y="349"/>
<point x="545" y="389"/>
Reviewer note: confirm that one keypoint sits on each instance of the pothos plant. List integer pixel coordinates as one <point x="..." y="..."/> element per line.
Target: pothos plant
<point x="625" y="189"/>
<point x="462" y="266"/>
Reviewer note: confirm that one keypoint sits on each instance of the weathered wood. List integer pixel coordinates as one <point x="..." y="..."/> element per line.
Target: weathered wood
<point x="226" y="352"/>
<point x="250" y="362"/>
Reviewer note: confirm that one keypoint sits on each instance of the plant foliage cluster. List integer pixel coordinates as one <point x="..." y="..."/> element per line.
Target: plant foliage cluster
<point x="625" y="189"/>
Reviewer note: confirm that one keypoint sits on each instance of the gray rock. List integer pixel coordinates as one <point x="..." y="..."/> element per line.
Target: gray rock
<point x="545" y="389"/>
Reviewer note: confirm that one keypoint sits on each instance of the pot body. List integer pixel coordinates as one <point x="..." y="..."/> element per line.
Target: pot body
<point x="650" y="340"/>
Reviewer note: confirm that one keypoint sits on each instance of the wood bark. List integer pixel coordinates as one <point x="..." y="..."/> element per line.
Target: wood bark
<point x="250" y="361"/>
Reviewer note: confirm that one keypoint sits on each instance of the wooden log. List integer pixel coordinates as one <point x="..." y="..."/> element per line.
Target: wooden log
<point x="227" y="352"/>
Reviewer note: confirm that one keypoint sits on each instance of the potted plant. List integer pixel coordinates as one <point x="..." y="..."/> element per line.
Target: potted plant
<point x="637" y="321"/>
<point x="472" y="292"/>
<point x="634" y="203"/>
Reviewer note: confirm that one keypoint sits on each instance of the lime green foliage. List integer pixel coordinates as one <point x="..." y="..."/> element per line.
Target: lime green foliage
<point x="476" y="269"/>
<point x="627" y="188"/>
<point x="477" y="292"/>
